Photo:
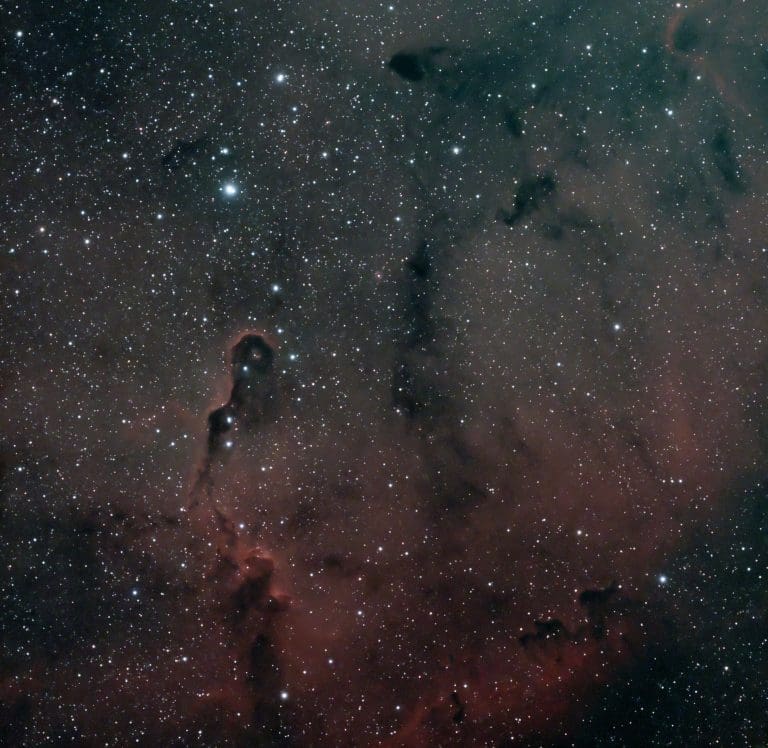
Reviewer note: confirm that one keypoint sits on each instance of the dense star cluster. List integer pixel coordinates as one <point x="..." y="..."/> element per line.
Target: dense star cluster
<point x="384" y="373"/>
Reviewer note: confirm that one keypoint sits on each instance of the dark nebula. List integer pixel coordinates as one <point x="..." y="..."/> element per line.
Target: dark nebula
<point x="183" y="151"/>
<point x="384" y="374"/>
<point x="416" y="65"/>
<point x="528" y="197"/>
<point x="252" y="402"/>
<point x="408" y="65"/>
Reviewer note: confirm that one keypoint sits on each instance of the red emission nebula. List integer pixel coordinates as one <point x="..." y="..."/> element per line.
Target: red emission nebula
<point x="384" y="375"/>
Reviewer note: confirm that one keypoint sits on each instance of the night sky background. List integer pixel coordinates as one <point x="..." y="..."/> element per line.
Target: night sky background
<point x="384" y="373"/>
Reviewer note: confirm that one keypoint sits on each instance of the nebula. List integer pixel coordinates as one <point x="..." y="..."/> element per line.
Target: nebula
<point x="387" y="375"/>
<point x="252" y="401"/>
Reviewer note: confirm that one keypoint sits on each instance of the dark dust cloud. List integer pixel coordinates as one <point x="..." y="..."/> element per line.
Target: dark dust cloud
<point x="384" y="374"/>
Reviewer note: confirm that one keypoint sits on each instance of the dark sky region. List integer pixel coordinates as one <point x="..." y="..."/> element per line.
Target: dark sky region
<point x="384" y="373"/>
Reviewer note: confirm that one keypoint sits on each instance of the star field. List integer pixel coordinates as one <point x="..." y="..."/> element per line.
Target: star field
<point x="383" y="374"/>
